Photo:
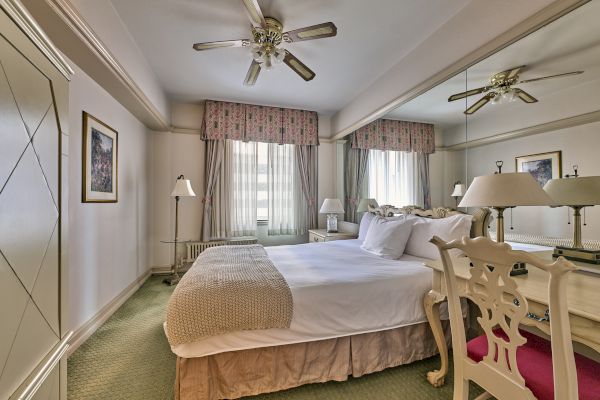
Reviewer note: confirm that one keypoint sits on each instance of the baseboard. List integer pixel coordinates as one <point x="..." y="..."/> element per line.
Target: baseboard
<point x="88" y="328"/>
<point x="162" y="270"/>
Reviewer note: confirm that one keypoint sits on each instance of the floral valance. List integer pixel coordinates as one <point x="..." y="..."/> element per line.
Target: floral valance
<point x="389" y="134"/>
<point x="236" y="121"/>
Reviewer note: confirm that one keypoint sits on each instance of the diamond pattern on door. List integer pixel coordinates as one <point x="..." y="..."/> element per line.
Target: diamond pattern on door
<point x="44" y="143"/>
<point x="45" y="291"/>
<point x="15" y="139"/>
<point x="34" y="340"/>
<point x="28" y="219"/>
<point x="29" y="222"/>
<point x="13" y="299"/>
<point x="30" y="88"/>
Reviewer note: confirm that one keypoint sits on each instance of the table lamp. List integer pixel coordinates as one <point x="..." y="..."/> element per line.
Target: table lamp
<point x="331" y="207"/>
<point x="577" y="193"/>
<point x="459" y="191"/>
<point x="364" y="204"/>
<point x="183" y="188"/>
<point x="502" y="191"/>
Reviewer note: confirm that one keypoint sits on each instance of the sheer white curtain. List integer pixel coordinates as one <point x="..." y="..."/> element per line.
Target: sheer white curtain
<point x="394" y="178"/>
<point x="242" y="160"/>
<point x="286" y="206"/>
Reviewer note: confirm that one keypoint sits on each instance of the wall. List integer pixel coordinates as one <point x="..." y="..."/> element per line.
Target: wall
<point x="175" y="154"/>
<point x="578" y="145"/>
<point x="108" y="243"/>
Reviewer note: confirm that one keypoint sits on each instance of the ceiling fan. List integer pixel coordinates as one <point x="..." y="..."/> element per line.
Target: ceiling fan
<point x="265" y="43"/>
<point x="501" y="89"/>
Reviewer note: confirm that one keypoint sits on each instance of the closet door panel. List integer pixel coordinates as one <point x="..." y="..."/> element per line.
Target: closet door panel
<point x="31" y="242"/>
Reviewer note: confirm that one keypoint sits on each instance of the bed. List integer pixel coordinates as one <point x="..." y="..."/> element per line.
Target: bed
<point x="354" y="313"/>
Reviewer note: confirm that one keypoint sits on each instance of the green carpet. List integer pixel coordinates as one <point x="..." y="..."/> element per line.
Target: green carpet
<point x="128" y="358"/>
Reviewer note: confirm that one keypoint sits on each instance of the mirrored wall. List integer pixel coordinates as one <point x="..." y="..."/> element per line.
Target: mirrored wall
<point x="533" y="105"/>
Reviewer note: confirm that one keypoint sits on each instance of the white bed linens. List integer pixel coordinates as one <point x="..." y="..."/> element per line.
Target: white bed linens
<point x="338" y="290"/>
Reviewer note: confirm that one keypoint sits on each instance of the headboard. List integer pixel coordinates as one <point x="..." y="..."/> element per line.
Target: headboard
<point x="481" y="216"/>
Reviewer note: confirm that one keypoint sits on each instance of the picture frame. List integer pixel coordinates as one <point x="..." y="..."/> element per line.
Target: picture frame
<point x="100" y="172"/>
<point x="542" y="166"/>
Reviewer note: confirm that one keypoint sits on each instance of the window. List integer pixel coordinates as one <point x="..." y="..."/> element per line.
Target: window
<point x="392" y="177"/>
<point x="264" y="187"/>
<point x="262" y="183"/>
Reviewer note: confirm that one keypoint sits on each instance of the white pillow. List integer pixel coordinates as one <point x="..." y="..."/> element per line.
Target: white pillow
<point x="387" y="238"/>
<point x="365" y="222"/>
<point x="450" y="228"/>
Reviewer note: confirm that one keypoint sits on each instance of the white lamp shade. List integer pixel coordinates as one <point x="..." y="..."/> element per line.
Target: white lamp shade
<point x="505" y="190"/>
<point x="332" y="206"/>
<point x="459" y="190"/>
<point x="363" y="205"/>
<point x="183" y="188"/>
<point x="584" y="191"/>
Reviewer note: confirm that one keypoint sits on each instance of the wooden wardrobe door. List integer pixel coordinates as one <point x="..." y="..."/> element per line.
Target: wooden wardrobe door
<point x="32" y="334"/>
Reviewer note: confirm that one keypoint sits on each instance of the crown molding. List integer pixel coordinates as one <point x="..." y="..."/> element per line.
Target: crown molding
<point x="20" y="16"/>
<point x="538" y="20"/>
<point x="569" y="122"/>
<point x="185" y="131"/>
<point x="75" y="21"/>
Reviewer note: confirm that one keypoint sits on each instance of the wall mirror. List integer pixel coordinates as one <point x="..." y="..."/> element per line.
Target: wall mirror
<point x="551" y="123"/>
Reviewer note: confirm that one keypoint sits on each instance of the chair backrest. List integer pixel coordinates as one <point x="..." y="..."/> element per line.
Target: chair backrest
<point x="501" y="304"/>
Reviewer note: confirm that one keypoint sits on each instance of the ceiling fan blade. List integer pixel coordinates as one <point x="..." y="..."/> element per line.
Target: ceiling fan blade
<point x="327" y="29"/>
<point x="523" y="95"/>
<point x="480" y="103"/>
<point x="298" y="66"/>
<point x="551" y="76"/>
<point x="252" y="74"/>
<point x="218" y="45"/>
<point x="513" y="72"/>
<point x="468" y="93"/>
<point x="254" y="12"/>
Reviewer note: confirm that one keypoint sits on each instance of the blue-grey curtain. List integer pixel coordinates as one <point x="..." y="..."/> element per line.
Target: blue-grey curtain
<point x="356" y="163"/>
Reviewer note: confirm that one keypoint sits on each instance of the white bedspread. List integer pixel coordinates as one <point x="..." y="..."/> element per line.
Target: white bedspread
<point x="338" y="290"/>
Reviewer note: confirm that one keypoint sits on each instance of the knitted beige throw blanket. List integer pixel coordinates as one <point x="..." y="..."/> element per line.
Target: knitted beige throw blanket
<point x="227" y="289"/>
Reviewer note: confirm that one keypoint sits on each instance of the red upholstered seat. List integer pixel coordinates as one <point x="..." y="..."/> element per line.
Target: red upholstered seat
<point x="535" y="364"/>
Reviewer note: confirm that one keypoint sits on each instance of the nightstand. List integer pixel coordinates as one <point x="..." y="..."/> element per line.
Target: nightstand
<point x="321" y="235"/>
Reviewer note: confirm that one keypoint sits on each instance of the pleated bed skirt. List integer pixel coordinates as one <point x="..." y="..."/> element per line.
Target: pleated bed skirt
<point x="242" y="373"/>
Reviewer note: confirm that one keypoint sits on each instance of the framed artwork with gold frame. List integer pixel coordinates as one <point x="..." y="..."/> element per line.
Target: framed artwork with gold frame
<point x="543" y="166"/>
<point x="100" y="161"/>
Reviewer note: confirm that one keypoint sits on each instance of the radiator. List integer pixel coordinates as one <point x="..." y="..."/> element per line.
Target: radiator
<point x="195" y="248"/>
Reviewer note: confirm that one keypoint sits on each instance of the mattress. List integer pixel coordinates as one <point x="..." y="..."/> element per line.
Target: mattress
<point x="338" y="290"/>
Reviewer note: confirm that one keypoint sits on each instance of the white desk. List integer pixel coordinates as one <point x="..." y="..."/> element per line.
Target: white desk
<point x="583" y="301"/>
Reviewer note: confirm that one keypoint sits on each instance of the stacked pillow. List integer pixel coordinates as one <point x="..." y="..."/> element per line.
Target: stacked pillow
<point x="410" y="234"/>
<point x="387" y="238"/>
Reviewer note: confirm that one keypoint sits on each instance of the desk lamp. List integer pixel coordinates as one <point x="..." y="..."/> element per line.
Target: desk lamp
<point x="577" y="193"/>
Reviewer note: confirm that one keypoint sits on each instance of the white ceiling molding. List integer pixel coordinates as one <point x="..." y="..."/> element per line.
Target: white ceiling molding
<point x="19" y="14"/>
<point x="543" y="17"/>
<point x="530" y="130"/>
<point x="145" y="110"/>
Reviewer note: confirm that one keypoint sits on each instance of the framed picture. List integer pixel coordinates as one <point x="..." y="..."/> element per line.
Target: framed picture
<point x="100" y="169"/>
<point x="543" y="166"/>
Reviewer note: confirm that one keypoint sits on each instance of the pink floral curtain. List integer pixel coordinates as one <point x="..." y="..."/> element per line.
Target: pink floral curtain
<point x="263" y="124"/>
<point x="299" y="127"/>
<point x="236" y="121"/>
<point x="223" y="120"/>
<point x="388" y="134"/>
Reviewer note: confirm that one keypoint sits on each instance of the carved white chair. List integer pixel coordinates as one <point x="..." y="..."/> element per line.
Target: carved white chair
<point x="518" y="365"/>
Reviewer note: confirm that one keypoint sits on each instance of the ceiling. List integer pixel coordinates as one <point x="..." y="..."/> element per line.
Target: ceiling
<point x="570" y="43"/>
<point x="372" y="37"/>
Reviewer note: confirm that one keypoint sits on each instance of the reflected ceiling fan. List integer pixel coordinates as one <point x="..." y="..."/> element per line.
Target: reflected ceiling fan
<point x="265" y="43"/>
<point x="501" y="89"/>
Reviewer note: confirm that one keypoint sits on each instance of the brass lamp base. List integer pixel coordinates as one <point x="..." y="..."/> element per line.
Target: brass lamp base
<point x="575" y="254"/>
